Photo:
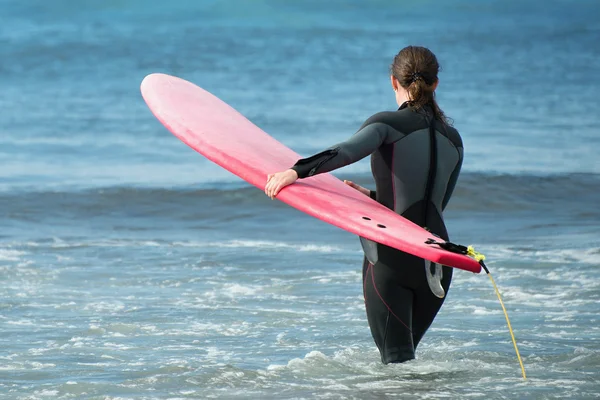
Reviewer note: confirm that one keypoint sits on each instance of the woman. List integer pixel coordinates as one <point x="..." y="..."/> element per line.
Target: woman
<point x="416" y="158"/>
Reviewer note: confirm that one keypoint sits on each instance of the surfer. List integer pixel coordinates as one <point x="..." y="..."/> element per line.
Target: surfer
<point x="416" y="157"/>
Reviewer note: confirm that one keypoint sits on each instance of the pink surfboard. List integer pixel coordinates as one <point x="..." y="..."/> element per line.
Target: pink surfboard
<point x="226" y="137"/>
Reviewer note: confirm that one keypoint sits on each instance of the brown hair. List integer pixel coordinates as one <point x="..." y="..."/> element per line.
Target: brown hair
<point x="416" y="68"/>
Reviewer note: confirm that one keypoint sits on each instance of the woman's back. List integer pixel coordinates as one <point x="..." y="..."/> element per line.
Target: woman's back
<point x="415" y="175"/>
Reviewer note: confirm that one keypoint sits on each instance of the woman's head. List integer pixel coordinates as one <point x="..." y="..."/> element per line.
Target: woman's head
<point x="414" y="75"/>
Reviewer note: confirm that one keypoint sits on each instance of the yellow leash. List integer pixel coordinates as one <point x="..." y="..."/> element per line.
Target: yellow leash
<point x="480" y="257"/>
<point x="470" y="251"/>
<point x="512" y="335"/>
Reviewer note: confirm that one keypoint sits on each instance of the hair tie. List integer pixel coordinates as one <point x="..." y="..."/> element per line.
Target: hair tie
<point x="415" y="77"/>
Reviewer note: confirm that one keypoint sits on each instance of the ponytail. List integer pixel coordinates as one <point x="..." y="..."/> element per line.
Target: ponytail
<point x="416" y="70"/>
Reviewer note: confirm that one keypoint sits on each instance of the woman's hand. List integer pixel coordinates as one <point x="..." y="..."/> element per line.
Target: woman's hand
<point x="361" y="189"/>
<point x="279" y="180"/>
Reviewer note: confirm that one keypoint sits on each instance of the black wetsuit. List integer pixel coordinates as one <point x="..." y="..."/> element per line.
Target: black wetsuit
<point x="415" y="161"/>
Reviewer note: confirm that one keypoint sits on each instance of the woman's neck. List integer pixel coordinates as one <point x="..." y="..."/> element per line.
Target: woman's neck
<point x="401" y="96"/>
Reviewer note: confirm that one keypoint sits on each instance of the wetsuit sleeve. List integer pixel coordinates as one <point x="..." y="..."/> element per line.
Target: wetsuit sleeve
<point x="360" y="145"/>
<point x="453" y="179"/>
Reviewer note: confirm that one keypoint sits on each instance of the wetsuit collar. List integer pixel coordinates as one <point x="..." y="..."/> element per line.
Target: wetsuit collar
<point x="403" y="106"/>
<point x="426" y="108"/>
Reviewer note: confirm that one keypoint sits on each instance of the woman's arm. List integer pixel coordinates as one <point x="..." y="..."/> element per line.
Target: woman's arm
<point x="361" y="144"/>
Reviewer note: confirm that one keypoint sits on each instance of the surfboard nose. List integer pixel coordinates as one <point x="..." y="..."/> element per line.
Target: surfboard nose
<point x="151" y="80"/>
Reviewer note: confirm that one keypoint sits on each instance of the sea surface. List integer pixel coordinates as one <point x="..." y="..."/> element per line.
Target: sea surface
<point x="133" y="268"/>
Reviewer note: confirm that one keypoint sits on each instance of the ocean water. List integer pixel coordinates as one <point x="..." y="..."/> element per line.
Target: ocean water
<point x="133" y="268"/>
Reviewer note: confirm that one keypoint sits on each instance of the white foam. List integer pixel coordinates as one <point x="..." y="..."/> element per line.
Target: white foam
<point x="559" y="256"/>
<point x="22" y="322"/>
<point x="363" y="369"/>
<point x="39" y="365"/>
<point x="563" y="316"/>
<point x="475" y="310"/>
<point x="204" y="329"/>
<point x="11" y="255"/>
<point x="47" y="393"/>
<point x="118" y="346"/>
<point x="58" y="243"/>
<point x="232" y="374"/>
<point x="258" y="244"/>
<point x="213" y="353"/>
<point x="104" y="306"/>
<point x="235" y="289"/>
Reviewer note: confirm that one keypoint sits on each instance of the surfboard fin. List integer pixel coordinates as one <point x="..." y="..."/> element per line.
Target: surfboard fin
<point x="434" y="278"/>
<point x="370" y="249"/>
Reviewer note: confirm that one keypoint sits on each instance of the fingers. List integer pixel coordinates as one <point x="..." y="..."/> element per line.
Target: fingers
<point x="272" y="187"/>
<point x="269" y="184"/>
<point x="361" y="189"/>
<point x="273" y="191"/>
<point x="281" y="183"/>
<point x="276" y="190"/>
<point x="354" y="186"/>
<point x="276" y="182"/>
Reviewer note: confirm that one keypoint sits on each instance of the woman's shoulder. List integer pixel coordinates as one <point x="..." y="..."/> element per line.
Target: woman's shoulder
<point x="403" y="120"/>
<point x="406" y="121"/>
<point x="377" y="117"/>
<point x="391" y="118"/>
<point x="452" y="134"/>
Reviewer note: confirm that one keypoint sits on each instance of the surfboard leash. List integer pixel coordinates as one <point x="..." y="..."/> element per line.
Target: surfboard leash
<point x="470" y="251"/>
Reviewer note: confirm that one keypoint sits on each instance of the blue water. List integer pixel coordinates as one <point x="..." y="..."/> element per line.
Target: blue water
<point x="133" y="268"/>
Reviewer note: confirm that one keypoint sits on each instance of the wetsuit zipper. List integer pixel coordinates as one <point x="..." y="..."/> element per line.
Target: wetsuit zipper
<point x="432" y="170"/>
